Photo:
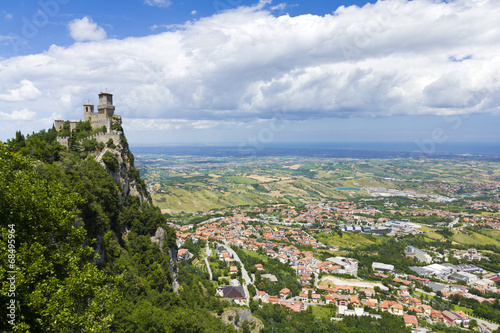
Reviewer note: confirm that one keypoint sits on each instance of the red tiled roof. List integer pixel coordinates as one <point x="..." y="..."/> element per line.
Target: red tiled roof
<point x="410" y="320"/>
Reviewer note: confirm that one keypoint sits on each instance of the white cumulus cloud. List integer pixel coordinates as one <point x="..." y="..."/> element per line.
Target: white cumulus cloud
<point x="27" y="91"/>
<point x="23" y="114"/>
<point x="85" y="29"/>
<point x="389" y="58"/>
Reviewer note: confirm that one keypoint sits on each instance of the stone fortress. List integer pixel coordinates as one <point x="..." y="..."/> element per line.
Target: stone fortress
<point x="105" y="116"/>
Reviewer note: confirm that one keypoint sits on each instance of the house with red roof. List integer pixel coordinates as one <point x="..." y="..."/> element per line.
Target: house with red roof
<point x="284" y="293"/>
<point x="261" y="294"/>
<point x="397" y="309"/>
<point x="273" y="299"/>
<point x="451" y="318"/>
<point x="410" y="321"/>
<point x="464" y="317"/>
<point x="182" y="254"/>
<point x="329" y="299"/>
<point x="436" y="315"/>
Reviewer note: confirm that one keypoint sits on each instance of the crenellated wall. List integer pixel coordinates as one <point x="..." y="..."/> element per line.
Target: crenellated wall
<point x="100" y="137"/>
<point x="63" y="140"/>
<point x="104" y="137"/>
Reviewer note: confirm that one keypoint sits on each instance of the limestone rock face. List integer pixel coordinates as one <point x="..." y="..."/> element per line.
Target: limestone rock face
<point x="160" y="237"/>
<point x="125" y="175"/>
<point x="174" y="269"/>
<point x="237" y="316"/>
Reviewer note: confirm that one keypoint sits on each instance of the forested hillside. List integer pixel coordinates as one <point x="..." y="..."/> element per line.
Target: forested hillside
<point x="76" y="234"/>
<point x="80" y="257"/>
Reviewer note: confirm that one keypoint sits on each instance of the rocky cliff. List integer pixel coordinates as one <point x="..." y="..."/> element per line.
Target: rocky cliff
<point x="160" y="237"/>
<point x="117" y="159"/>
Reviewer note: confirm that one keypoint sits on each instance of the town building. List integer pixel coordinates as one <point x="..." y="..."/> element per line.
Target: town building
<point x="472" y="254"/>
<point x="413" y="252"/>
<point x="382" y="268"/>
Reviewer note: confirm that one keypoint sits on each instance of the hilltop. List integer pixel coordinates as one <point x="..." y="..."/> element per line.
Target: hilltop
<point x="78" y="221"/>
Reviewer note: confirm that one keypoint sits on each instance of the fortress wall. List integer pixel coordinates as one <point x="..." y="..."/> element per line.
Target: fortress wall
<point x="104" y="117"/>
<point x="63" y="140"/>
<point x="104" y="137"/>
<point x="100" y="121"/>
<point x="101" y="137"/>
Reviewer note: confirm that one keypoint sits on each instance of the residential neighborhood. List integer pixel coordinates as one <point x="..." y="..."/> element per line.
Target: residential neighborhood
<point x="334" y="280"/>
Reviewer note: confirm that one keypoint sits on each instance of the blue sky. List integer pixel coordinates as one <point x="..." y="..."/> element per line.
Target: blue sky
<point x="120" y="19"/>
<point x="243" y="71"/>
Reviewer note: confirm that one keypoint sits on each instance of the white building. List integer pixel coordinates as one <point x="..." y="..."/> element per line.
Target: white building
<point x="413" y="252"/>
<point x="382" y="268"/>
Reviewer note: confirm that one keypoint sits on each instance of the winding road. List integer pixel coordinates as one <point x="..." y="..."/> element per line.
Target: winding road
<point x="485" y="326"/>
<point x="244" y="273"/>
<point x="208" y="265"/>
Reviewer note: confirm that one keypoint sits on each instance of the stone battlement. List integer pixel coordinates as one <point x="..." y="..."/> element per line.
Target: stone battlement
<point x="100" y="137"/>
<point x="104" y="117"/>
<point x="63" y="140"/>
<point x="104" y="137"/>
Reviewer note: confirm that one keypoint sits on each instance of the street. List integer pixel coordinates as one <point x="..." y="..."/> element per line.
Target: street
<point x="244" y="273"/>
<point x="206" y="261"/>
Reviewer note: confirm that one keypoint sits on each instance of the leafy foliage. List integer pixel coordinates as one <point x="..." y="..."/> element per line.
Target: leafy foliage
<point x="41" y="145"/>
<point x="277" y="318"/>
<point x="287" y="278"/>
<point x="110" y="161"/>
<point x="148" y="303"/>
<point x="58" y="287"/>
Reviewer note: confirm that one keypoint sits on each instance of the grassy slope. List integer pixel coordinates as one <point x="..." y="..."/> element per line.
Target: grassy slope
<point x="348" y="239"/>
<point x="474" y="239"/>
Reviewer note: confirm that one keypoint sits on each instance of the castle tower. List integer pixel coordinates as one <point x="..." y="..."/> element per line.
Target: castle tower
<point x="58" y="124"/>
<point x="72" y="124"/>
<point x="106" y="104"/>
<point x="88" y="111"/>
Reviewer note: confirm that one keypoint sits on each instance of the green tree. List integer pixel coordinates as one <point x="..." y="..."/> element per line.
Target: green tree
<point x="58" y="287"/>
<point x="110" y="144"/>
<point x="251" y="290"/>
<point x="110" y="161"/>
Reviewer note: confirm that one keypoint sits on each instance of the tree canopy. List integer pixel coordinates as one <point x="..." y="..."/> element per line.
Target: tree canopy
<point x="58" y="286"/>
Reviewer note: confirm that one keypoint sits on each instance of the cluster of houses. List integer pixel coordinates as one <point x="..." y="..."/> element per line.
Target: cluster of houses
<point x="483" y="205"/>
<point x="281" y="243"/>
<point x="353" y="301"/>
<point x="236" y="231"/>
<point x="416" y="306"/>
<point x="356" y="220"/>
<point x="225" y="256"/>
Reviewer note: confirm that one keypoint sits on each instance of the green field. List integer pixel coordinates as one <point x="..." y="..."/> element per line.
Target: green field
<point x="434" y="236"/>
<point x="200" y="199"/>
<point x="192" y="184"/>
<point x="474" y="238"/>
<point x="323" y="312"/>
<point x="262" y="257"/>
<point x="241" y="180"/>
<point x="348" y="239"/>
<point x="468" y="311"/>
